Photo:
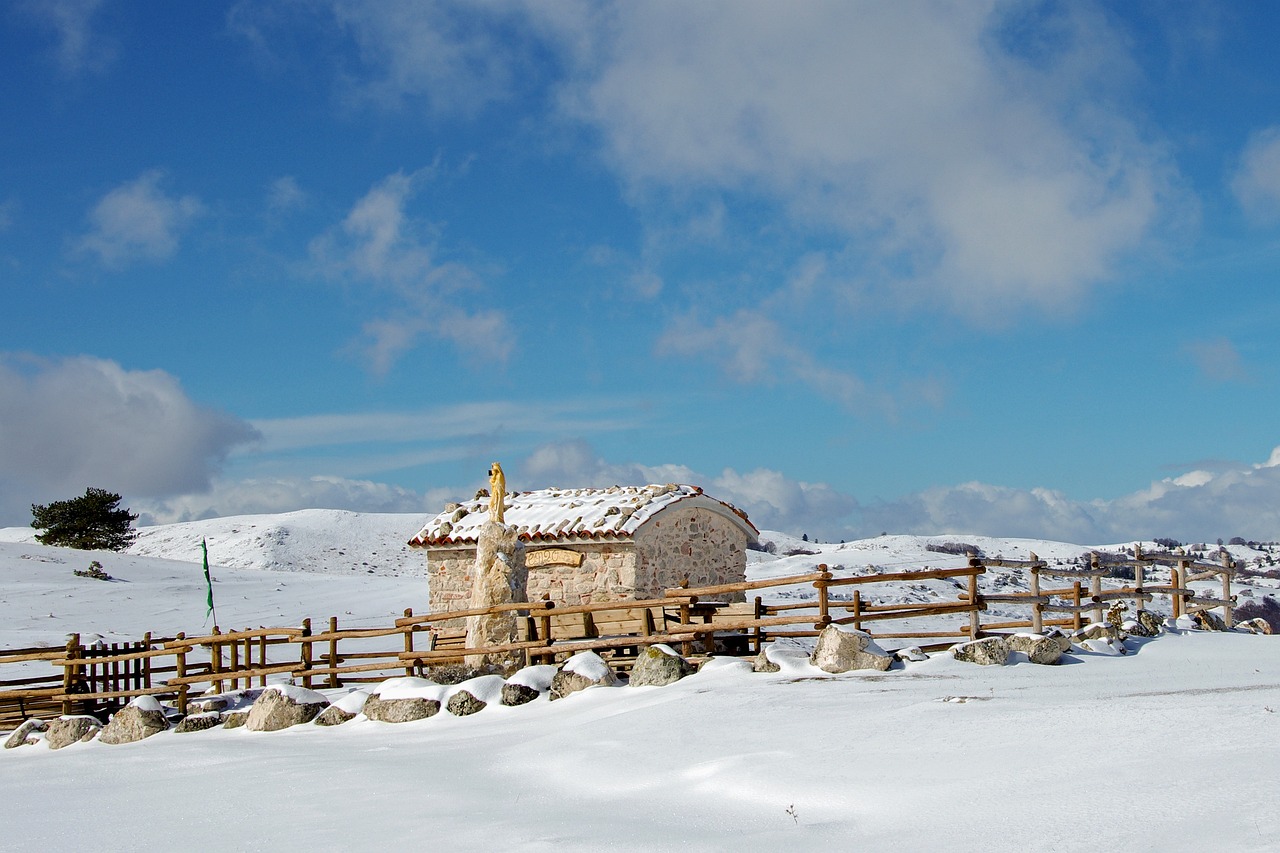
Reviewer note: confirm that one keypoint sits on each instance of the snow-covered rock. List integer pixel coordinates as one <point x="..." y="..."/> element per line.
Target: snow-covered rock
<point x="141" y="718"/>
<point x="65" y="731"/>
<point x="281" y="706"/>
<point x="583" y="670"/>
<point x="658" y="666"/>
<point x="1037" y="647"/>
<point x="842" y="649"/>
<point x="989" y="651"/>
<point x="30" y="732"/>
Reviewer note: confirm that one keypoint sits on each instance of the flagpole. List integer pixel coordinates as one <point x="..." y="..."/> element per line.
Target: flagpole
<point x="208" y="582"/>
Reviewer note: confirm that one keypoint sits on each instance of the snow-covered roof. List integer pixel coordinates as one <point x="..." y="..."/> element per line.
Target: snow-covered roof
<point x="558" y="514"/>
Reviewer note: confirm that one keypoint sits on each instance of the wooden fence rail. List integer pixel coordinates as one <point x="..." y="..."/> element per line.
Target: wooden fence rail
<point x="99" y="678"/>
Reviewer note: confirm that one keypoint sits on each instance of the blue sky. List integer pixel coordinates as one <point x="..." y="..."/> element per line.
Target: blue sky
<point x="1001" y="268"/>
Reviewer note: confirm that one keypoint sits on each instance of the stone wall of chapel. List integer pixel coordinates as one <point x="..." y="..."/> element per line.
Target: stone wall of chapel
<point x="607" y="573"/>
<point x="691" y="542"/>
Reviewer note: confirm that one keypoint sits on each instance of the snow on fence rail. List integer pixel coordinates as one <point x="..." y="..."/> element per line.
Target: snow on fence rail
<point x="99" y="678"/>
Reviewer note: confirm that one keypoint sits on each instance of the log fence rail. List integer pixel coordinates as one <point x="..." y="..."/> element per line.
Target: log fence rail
<point x="697" y="621"/>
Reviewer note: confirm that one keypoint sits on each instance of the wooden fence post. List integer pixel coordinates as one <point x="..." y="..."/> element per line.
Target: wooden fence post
<point x="857" y="609"/>
<point x="262" y="658"/>
<point x="686" y="648"/>
<point x="824" y="611"/>
<point x="1139" y="576"/>
<point x="408" y="641"/>
<point x="1078" y="621"/>
<point x="1037" y="607"/>
<point x="1175" y="581"/>
<point x="758" y="633"/>
<point x="71" y="673"/>
<point x="146" y="662"/>
<point x="233" y="663"/>
<point x="304" y="648"/>
<point x="1095" y="586"/>
<point x="180" y="661"/>
<point x="975" y="620"/>
<point x="1228" y="615"/>
<point x="215" y="662"/>
<point x="333" y="652"/>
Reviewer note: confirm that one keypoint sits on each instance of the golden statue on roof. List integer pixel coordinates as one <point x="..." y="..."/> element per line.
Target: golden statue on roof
<point x="497" y="492"/>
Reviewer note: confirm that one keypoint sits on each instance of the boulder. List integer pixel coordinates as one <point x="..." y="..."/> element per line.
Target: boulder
<point x="234" y="719"/>
<point x="911" y="653"/>
<point x="1063" y="641"/>
<point x="583" y="670"/>
<point x="1098" y="631"/>
<point x="1257" y="625"/>
<point x="1207" y="620"/>
<point x="658" y="666"/>
<point x="1038" y="649"/>
<point x="141" y="718"/>
<point x="518" y="694"/>
<point x="65" y="731"/>
<point x="281" y="706"/>
<point x="333" y="716"/>
<point x="402" y="710"/>
<point x="989" y="651"/>
<point x="201" y="722"/>
<point x="463" y="704"/>
<point x="27" y="733"/>
<point x="1144" y="624"/>
<point x="841" y="649"/>
<point x="762" y="662"/>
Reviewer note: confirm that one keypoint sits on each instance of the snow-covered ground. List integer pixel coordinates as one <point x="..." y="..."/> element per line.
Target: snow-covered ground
<point x="1175" y="746"/>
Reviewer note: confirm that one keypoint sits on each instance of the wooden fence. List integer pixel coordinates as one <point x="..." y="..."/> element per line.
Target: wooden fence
<point x="698" y="621"/>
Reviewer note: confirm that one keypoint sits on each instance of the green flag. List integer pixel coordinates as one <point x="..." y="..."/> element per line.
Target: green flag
<point x="208" y="582"/>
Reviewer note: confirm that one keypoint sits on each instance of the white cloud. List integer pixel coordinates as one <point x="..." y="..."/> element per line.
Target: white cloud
<point x="752" y="348"/>
<point x="286" y="494"/>
<point x="378" y="243"/>
<point x="984" y="176"/>
<point x="1256" y="182"/>
<point x="79" y="47"/>
<point x="449" y="55"/>
<point x="78" y="422"/>
<point x="1199" y="505"/>
<point x="772" y="500"/>
<point x="138" y="221"/>
<point x="1218" y="360"/>
<point x="284" y="194"/>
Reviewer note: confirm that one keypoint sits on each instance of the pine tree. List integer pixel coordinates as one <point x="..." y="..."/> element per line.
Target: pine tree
<point x="90" y="522"/>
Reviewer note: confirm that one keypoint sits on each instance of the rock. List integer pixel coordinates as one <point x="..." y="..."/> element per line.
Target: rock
<point x="234" y="719"/>
<point x="1144" y="624"/>
<point x="27" y="733"/>
<point x="463" y="704"/>
<point x="842" y="649"/>
<point x="989" y="651"/>
<point x="282" y="706"/>
<point x="583" y="670"/>
<point x="212" y="703"/>
<point x="518" y="694"/>
<point x="1098" y="631"/>
<point x="1063" y="641"/>
<point x="65" y="731"/>
<point x="400" y="710"/>
<point x="333" y="716"/>
<point x="202" y="721"/>
<point x="1038" y="649"/>
<point x="658" y="666"/>
<point x="141" y="718"/>
<point x="1207" y="620"/>
<point x="1257" y="625"/>
<point x="762" y="663"/>
<point x="912" y="653"/>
